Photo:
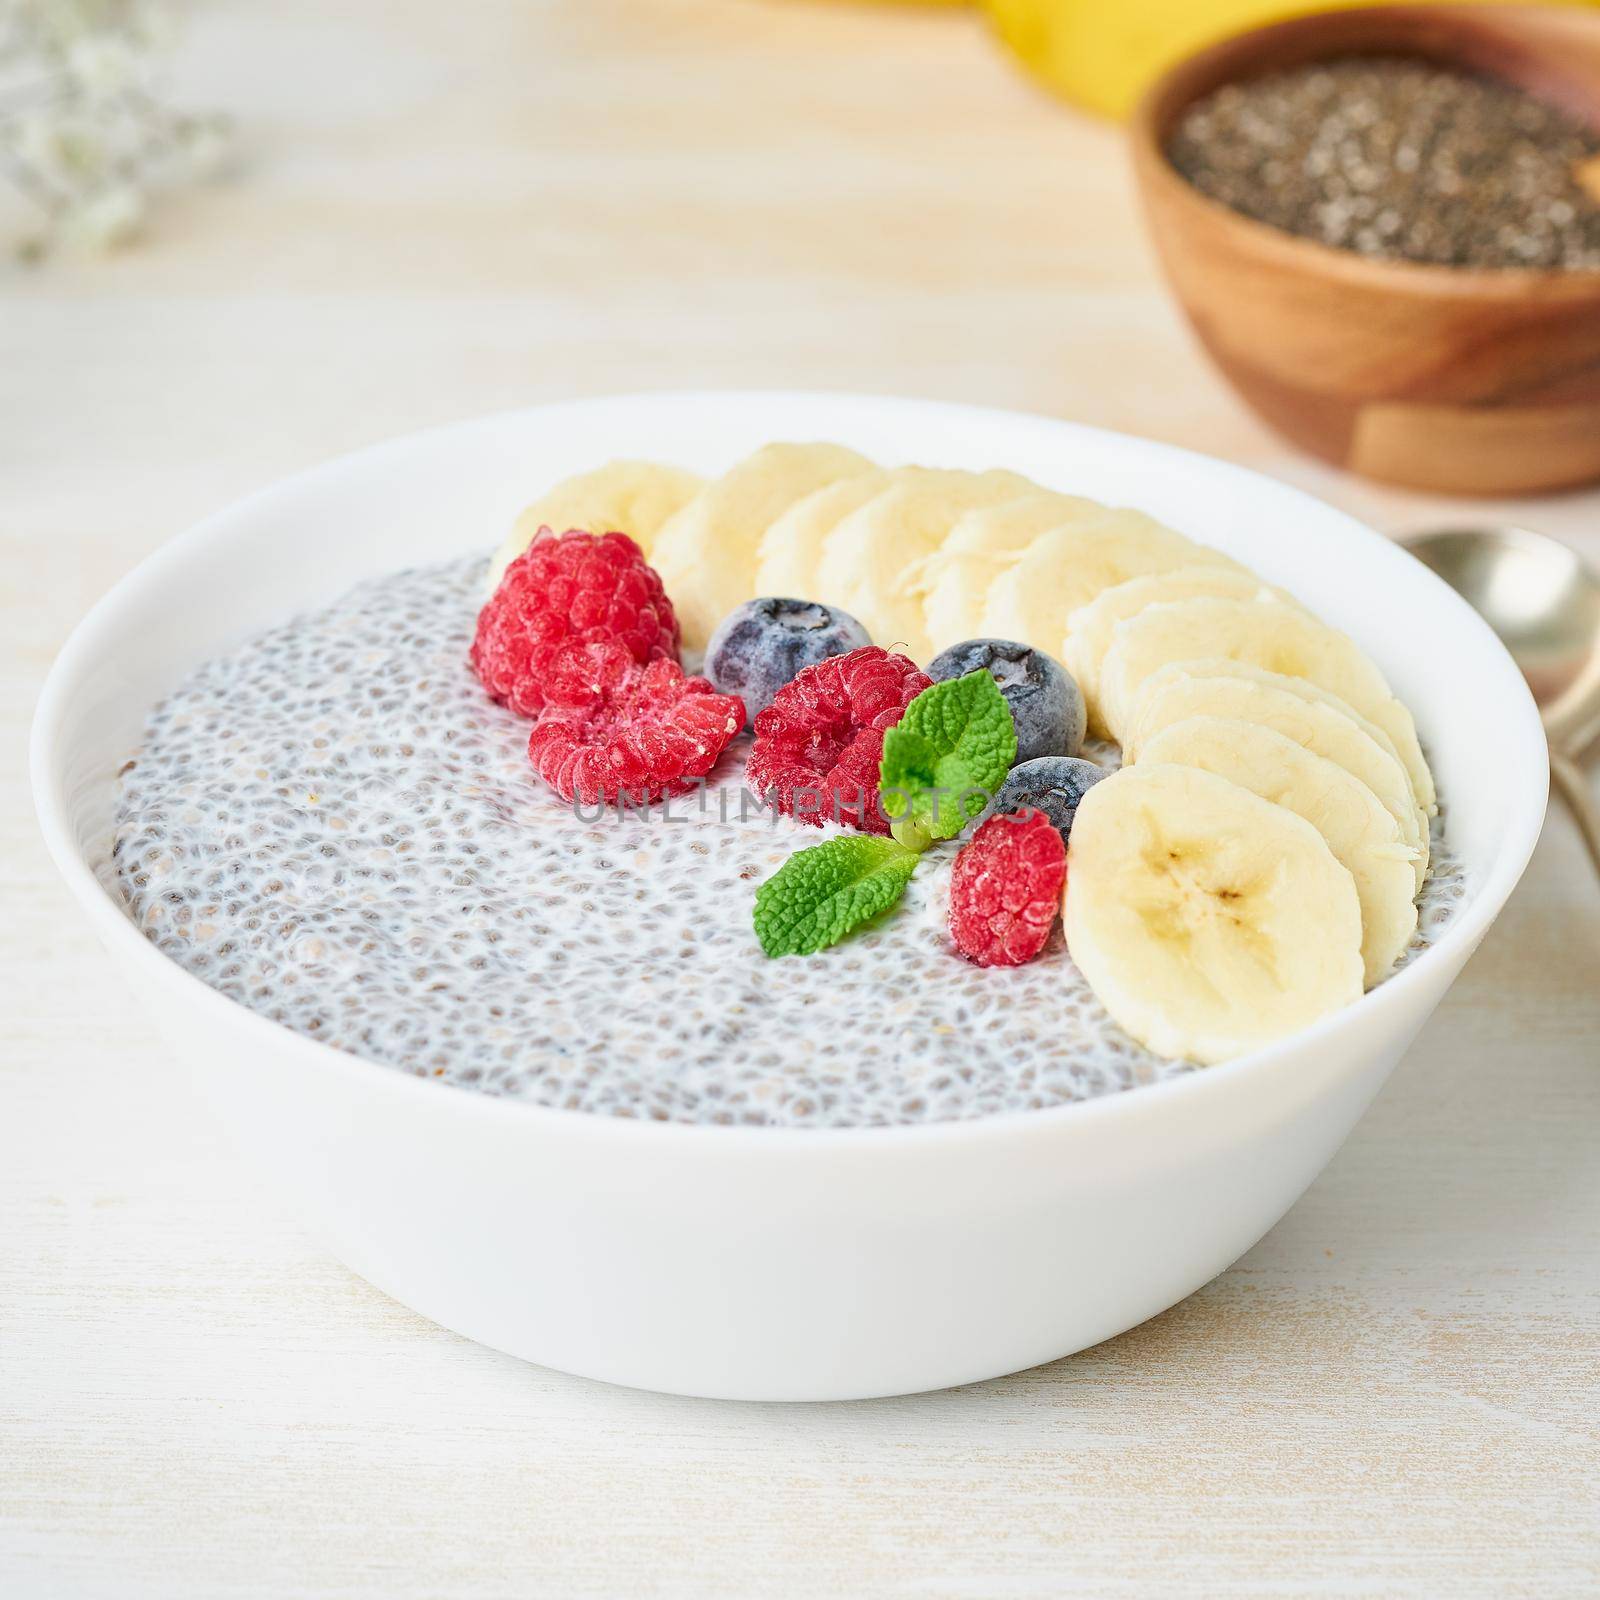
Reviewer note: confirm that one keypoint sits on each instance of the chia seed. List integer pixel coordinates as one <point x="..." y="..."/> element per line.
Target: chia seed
<point x="1401" y="160"/>
<point x="392" y="880"/>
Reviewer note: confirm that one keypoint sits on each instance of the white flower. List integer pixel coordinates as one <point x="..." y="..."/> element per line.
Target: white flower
<point x="108" y="217"/>
<point x="88" y="140"/>
<point x="81" y="151"/>
<point x="104" y="66"/>
<point x="35" y="140"/>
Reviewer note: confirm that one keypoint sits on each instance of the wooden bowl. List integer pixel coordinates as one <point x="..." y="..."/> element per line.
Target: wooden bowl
<point x="1444" y="378"/>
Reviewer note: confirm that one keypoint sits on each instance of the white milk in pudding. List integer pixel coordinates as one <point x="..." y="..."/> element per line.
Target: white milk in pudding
<point x="334" y="826"/>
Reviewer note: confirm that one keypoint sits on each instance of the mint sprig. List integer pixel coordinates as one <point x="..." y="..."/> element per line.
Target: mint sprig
<point x="945" y="758"/>
<point x="818" y="895"/>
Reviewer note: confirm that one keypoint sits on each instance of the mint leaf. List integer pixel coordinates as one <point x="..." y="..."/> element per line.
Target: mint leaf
<point x="818" y="895"/>
<point x="909" y="767"/>
<point x="946" y="756"/>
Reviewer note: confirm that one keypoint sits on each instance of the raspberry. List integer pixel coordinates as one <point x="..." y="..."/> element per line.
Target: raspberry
<point x="629" y="732"/>
<point x="1005" y="889"/>
<point x="566" y="589"/>
<point x="819" y="743"/>
<point x="585" y="678"/>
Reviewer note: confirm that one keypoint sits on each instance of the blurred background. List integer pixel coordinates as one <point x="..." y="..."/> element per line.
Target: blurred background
<point x="416" y="212"/>
<point x="338" y="222"/>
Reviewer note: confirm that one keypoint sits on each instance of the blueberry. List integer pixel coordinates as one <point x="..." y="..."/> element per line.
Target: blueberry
<point x="1051" y="784"/>
<point x="759" y="647"/>
<point x="1045" y="702"/>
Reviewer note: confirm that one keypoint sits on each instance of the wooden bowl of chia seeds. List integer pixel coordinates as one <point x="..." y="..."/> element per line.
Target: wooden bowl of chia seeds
<point x="1384" y="225"/>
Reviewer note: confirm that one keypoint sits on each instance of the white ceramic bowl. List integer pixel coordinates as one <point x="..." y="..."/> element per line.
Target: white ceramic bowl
<point x="756" y="1263"/>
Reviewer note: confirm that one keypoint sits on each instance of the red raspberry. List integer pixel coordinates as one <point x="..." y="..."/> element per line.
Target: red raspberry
<point x="630" y="732"/>
<point x="1005" y="889"/>
<point x="819" y="744"/>
<point x="565" y="589"/>
<point x="585" y="678"/>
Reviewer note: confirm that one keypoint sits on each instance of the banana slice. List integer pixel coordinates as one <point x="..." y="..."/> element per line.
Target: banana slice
<point x="791" y="548"/>
<point x="706" y="553"/>
<point x="954" y="581"/>
<point x="1068" y="566"/>
<point x="1301" y="688"/>
<point x="869" y="557"/>
<point x="1267" y="634"/>
<point x="1089" y="627"/>
<point x="631" y="497"/>
<point x="1364" y="837"/>
<point x="1321" y="722"/>
<point x="1209" y="921"/>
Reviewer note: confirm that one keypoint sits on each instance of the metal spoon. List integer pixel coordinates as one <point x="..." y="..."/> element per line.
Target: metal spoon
<point x="1544" y="602"/>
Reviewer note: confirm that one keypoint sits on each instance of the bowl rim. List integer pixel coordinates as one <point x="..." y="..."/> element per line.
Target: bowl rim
<point x="184" y="989"/>
<point x="1234" y="58"/>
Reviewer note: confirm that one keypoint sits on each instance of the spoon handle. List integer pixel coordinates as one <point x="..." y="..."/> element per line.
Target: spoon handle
<point x="1574" y="789"/>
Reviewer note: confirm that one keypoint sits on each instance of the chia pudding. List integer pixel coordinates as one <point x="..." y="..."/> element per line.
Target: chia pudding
<point x="334" y="826"/>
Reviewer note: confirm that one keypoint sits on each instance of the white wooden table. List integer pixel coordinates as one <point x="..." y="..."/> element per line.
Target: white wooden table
<point x="450" y="209"/>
